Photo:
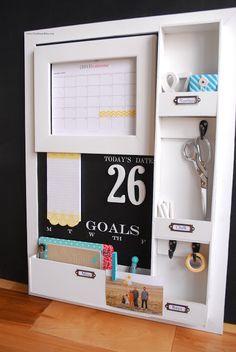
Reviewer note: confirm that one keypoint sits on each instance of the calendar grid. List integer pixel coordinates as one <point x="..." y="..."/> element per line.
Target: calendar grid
<point x="101" y="103"/>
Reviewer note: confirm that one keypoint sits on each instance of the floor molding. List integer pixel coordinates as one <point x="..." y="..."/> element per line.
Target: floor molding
<point x="14" y="286"/>
<point x="231" y="328"/>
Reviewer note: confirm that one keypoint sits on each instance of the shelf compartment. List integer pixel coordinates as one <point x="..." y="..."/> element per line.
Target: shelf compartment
<point x="60" y="281"/>
<point x="182" y="230"/>
<point x="186" y="312"/>
<point x="206" y="106"/>
<point x="72" y="283"/>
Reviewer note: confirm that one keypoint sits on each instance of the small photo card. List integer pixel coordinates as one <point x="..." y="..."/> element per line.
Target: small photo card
<point x="140" y="293"/>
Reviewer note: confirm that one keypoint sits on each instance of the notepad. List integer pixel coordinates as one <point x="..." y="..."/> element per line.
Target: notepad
<point x="78" y="256"/>
<point x="45" y="250"/>
<point x="64" y="189"/>
<point x="94" y="97"/>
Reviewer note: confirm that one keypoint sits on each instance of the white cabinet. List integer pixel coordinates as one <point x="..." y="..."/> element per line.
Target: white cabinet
<point x="196" y="43"/>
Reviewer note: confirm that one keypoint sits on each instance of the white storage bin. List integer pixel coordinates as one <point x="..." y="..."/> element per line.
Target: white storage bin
<point x="188" y="104"/>
<point x="182" y="230"/>
<point x="185" y="312"/>
<point x="60" y="281"/>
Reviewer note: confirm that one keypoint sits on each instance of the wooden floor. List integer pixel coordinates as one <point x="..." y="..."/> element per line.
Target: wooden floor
<point x="34" y="324"/>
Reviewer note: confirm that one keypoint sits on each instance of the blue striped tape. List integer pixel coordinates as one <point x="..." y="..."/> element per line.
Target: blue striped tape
<point x="195" y="84"/>
<point x="68" y="243"/>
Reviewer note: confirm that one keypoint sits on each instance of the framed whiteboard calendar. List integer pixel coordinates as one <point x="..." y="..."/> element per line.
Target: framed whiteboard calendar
<point x="94" y="94"/>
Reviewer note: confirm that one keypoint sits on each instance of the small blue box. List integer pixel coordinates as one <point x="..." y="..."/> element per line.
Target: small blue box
<point x="203" y="83"/>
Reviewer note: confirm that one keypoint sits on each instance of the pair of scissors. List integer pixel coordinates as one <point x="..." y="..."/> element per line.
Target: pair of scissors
<point x="199" y="152"/>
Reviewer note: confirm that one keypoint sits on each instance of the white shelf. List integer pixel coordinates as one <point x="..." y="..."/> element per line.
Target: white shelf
<point x="59" y="281"/>
<point x="201" y="233"/>
<point x="184" y="311"/>
<point x="205" y="107"/>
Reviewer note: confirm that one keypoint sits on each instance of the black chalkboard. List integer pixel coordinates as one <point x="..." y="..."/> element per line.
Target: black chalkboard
<point x="126" y="226"/>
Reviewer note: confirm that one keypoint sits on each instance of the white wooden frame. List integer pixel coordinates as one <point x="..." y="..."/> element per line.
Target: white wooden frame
<point x="223" y="165"/>
<point x="143" y="49"/>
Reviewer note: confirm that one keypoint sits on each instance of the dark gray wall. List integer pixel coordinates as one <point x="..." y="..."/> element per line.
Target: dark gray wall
<point x="15" y="18"/>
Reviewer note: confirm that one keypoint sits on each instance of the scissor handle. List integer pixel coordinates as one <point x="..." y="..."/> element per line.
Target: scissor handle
<point x="204" y="159"/>
<point x="189" y="150"/>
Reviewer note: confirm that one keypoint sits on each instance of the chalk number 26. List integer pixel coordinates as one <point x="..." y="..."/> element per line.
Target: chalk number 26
<point x="136" y="198"/>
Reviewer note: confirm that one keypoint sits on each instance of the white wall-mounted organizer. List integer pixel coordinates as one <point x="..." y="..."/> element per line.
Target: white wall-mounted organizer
<point x="167" y="63"/>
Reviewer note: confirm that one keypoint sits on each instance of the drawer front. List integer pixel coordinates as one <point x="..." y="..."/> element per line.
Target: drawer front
<point x="186" y="312"/>
<point x="182" y="230"/>
<point x="67" y="282"/>
<point x="188" y="104"/>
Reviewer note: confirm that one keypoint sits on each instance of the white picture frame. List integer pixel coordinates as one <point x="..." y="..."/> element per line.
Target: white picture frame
<point x="143" y="49"/>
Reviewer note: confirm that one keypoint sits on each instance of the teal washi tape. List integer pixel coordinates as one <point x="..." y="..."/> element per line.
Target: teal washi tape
<point x="114" y="266"/>
<point x="206" y="82"/>
<point x="69" y="243"/>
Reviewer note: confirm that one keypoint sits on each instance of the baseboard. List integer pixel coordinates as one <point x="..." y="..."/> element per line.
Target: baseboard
<point x="231" y="328"/>
<point x="14" y="286"/>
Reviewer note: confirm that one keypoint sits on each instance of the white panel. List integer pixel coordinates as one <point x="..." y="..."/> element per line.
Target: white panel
<point x="191" y="49"/>
<point x="182" y="248"/>
<point x="196" y="316"/>
<point x="186" y="128"/>
<point x="206" y="107"/>
<point x="59" y="281"/>
<point x="201" y="233"/>
<point x="224" y="161"/>
<point x="178" y="281"/>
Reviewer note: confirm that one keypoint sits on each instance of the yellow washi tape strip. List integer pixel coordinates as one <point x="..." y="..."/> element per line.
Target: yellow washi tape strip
<point x="189" y="263"/>
<point x="117" y="113"/>
<point x="64" y="219"/>
<point x="63" y="155"/>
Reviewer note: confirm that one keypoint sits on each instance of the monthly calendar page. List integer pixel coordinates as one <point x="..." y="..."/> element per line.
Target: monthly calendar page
<point x="94" y="97"/>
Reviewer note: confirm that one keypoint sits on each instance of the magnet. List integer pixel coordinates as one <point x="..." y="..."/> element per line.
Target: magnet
<point x="134" y="262"/>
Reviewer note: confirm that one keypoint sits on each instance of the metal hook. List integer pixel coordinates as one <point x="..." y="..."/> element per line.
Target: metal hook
<point x="172" y="247"/>
<point x="203" y="125"/>
<point x="195" y="249"/>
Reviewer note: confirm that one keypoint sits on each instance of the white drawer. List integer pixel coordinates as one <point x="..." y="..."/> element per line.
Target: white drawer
<point x="182" y="230"/>
<point x="184" y="312"/>
<point x="60" y="281"/>
<point x="206" y="105"/>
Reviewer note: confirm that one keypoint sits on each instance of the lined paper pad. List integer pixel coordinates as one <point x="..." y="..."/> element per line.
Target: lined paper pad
<point x="77" y="256"/>
<point x="94" y="97"/>
<point x="64" y="189"/>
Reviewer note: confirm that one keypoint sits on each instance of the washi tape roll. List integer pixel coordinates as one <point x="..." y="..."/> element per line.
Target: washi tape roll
<point x="206" y="82"/>
<point x="195" y="266"/>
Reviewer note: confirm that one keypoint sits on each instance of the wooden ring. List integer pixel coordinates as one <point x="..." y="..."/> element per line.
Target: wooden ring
<point x="197" y="269"/>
